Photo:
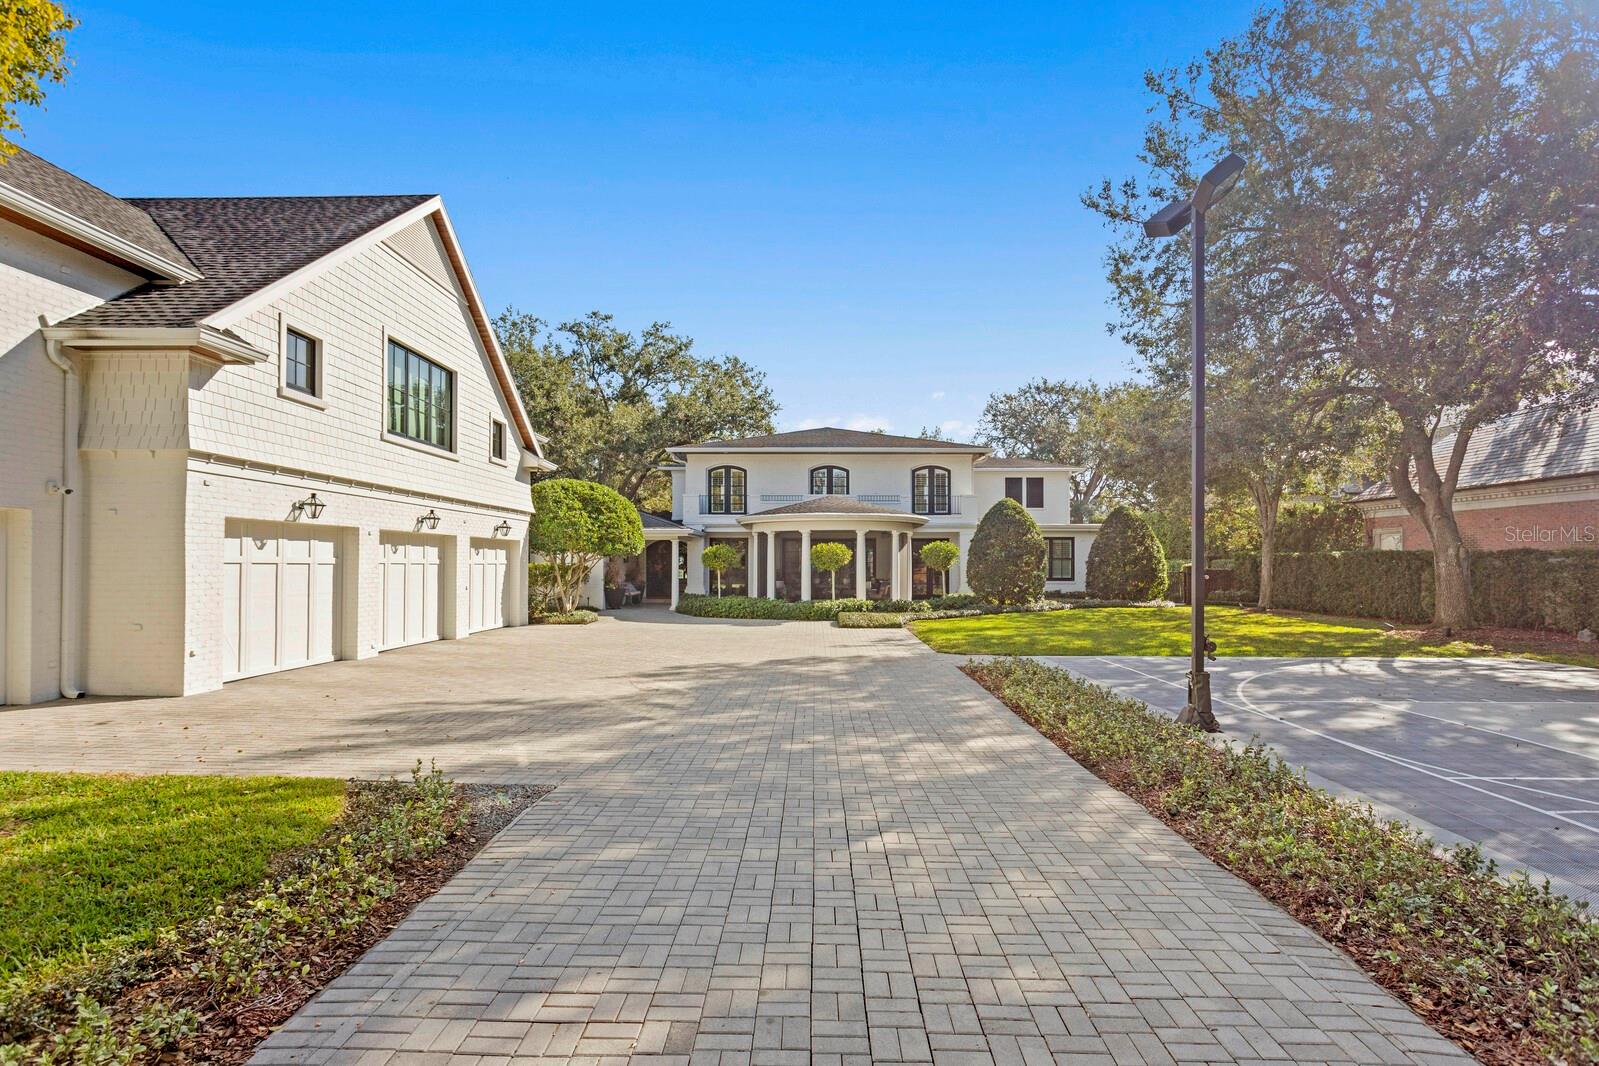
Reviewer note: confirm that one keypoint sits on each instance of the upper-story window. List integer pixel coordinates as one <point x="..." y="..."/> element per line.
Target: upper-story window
<point x="421" y="398"/>
<point x="727" y="490"/>
<point x="299" y="362"/>
<point x="497" y="439"/>
<point x="1027" y="491"/>
<point x="829" y="481"/>
<point x="930" y="490"/>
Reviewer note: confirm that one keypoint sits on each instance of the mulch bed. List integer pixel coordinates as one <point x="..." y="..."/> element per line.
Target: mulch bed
<point x="231" y="1032"/>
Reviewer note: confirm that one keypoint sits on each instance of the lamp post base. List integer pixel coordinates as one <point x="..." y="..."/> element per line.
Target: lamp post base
<point x="1198" y="711"/>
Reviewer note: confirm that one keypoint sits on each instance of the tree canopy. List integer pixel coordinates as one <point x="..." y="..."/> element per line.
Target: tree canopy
<point x="33" y="52"/>
<point x="614" y="401"/>
<point x="575" y="525"/>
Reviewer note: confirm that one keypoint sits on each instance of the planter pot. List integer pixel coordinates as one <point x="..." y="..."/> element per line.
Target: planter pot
<point x="613" y="599"/>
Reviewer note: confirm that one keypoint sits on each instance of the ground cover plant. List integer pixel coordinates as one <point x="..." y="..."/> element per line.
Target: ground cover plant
<point x="1504" y="967"/>
<point x="203" y="976"/>
<point x="578" y="617"/>
<point x="1238" y="631"/>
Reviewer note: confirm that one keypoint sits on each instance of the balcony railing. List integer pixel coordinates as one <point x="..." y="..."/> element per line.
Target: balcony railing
<point x="766" y="501"/>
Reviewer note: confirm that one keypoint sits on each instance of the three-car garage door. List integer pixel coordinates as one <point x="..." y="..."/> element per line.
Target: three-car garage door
<point x="408" y="565"/>
<point x="486" y="599"/>
<point x="280" y="598"/>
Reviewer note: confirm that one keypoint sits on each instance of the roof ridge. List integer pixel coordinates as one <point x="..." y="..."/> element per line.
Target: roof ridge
<point x="291" y="196"/>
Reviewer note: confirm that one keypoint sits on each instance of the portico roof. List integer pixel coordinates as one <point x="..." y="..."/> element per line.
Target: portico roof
<point x="833" y="507"/>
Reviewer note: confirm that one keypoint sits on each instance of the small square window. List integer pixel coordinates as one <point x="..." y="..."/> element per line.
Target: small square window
<point x="299" y="362"/>
<point x="497" y="441"/>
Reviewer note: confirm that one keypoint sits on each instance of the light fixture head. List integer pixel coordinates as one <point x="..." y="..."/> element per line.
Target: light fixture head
<point x="503" y="529"/>
<point x="1169" y="220"/>
<point x="1218" y="182"/>
<point x="429" y="520"/>
<point x="311" y="506"/>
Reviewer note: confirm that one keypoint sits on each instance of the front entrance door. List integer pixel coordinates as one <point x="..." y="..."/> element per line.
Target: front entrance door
<point x="925" y="581"/>
<point x="658" y="570"/>
<point x="788" y="566"/>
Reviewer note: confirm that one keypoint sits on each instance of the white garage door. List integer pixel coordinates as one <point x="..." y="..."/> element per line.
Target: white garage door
<point x="280" y="598"/>
<point x="490" y="565"/>
<point x="409" y="577"/>
<point x="5" y="598"/>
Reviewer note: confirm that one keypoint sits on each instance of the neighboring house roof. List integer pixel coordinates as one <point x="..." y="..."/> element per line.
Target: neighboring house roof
<point x="994" y="462"/>
<point x="1536" y="444"/>
<point x="241" y="245"/>
<point x="37" y="180"/>
<point x="827" y="505"/>
<point x="828" y="438"/>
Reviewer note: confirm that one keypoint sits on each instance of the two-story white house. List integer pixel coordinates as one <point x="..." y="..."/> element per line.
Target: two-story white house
<point x="771" y="498"/>
<point x="244" y="435"/>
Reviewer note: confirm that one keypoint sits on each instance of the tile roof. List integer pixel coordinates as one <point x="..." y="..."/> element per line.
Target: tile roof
<point x="1531" y="445"/>
<point x="829" y="437"/>
<point x="241" y="245"/>
<point x="27" y="173"/>
<point x="827" y="505"/>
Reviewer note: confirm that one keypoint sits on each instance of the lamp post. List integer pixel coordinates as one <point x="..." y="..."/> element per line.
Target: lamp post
<point x="1168" y="222"/>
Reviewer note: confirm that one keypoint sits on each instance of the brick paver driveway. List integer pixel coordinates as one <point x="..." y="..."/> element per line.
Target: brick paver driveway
<point x="770" y="843"/>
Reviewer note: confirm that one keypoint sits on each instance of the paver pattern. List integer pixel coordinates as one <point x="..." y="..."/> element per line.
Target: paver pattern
<point x="1500" y="752"/>
<point x="770" y="843"/>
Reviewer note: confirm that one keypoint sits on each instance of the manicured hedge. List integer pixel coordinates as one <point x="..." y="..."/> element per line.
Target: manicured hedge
<point x="1519" y="589"/>
<point x="579" y="617"/>
<point x="1125" y="561"/>
<point x="760" y="607"/>
<point x="1505" y="967"/>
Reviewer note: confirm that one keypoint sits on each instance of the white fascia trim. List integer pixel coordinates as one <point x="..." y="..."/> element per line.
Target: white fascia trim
<point x="829" y="451"/>
<point x="70" y="225"/>
<point x="202" y="340"/>
<point x="853" y="516"/>
<point x="1052" y="468"/>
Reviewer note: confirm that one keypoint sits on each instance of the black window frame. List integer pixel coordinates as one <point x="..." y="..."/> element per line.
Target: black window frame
<point x="496" y="439"/>
<point x="435" y="420"/>
<point x="1035" y="492"/>
<point x="831" y="476"/>
<point x="1070" y="560"/>
<point x="311" y="362"/>
<point x="928" y="502"/>
<point x="726" y="497"/>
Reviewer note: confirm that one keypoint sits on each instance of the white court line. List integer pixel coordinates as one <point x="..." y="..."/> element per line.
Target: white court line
<point x="1374" y="752"/>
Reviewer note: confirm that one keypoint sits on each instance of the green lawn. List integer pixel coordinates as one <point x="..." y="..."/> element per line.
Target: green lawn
<point x="89" y="860"/>
<point x="1164" y="631"/>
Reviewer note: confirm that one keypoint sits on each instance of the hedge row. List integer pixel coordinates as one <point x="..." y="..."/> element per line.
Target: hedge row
<point x="1519" y="589"/>
<point x="813" y="610"/>
<point x="1505" y="967"/>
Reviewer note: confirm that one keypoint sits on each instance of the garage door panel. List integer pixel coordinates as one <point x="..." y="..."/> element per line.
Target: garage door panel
<point x="411" y="591"/>
<point x="280" y="598"/>
<point x="487" y="584"/>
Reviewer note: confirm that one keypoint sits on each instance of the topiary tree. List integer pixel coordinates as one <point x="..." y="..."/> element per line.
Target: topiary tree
<point x="575" y="525"/>
<point x="1008" y="556"/>
<point x="829" y="557"/>
<point x="1126" y="561"/>
<point x="717" y="558"/>
<point x="940" y="555"/>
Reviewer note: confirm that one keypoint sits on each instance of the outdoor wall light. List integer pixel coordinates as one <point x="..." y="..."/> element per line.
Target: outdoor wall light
<point x="429" y="520"/>
<point x="503" y="529"/>
<point x="311" y="506"/>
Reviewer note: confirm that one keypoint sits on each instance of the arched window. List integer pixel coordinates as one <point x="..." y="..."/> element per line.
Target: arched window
<point x="726" y="494"/>
<point x="829" y="481"/>
<point x="930" y="490"/>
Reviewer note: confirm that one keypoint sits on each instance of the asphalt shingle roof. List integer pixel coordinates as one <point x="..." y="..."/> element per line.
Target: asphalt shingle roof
<point x="827" y="437"/>
<point x="241" y="244"/>
<point x="827" y="505"/>
<point x="27" y="173"/>
<point x="1530" y="445"/>
<point x="1013" y="464"/>
<point x="655" y="521"/>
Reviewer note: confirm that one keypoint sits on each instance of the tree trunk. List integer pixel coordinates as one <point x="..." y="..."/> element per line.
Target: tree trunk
<point x="1451" y="580"/>
<point x="1268" y="499"/>
<point x="1430" y="500"/>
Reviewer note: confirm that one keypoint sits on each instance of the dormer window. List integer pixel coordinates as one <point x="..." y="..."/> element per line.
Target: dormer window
<point x="829" y="481"/>
<point x="930" y="490"/>
<point x="726" y="495"/>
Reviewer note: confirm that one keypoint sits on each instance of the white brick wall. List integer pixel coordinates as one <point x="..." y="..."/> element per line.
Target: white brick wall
<point x="37" y="277"/>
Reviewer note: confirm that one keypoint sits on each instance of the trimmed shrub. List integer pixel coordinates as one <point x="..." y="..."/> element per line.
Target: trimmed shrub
<point x="871" y="619"/>
<point x="719" y="558"/>
<point x="760" y="607"/>
<point x="1007" y="563"/>
<point x="829" y="557"/>
<point x="940" y="555"/>
<point x="955" y="601"/>
<point x="576" y="524"/>
<point x="1525" y="588"/>
<point x="1126" y="561"/>
<point x="579" y="617"/>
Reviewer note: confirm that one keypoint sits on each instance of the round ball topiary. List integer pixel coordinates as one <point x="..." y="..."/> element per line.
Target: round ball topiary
<point x="1006" y="563"/>
<point x="1126" y="561"/>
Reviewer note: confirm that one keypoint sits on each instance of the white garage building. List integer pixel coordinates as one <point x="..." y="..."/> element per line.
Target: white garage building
<point x="244" y="435"/>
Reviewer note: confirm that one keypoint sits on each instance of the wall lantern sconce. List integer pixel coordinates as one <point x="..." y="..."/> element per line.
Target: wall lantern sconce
<point x="503" y="529"/>
<point x="429" y="520"/>
<point x="311" y="506"/>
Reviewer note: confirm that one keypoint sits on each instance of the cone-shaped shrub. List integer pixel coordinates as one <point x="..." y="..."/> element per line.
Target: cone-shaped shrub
<point x="1006" y="563"/>
<point x="1126" y="561"/>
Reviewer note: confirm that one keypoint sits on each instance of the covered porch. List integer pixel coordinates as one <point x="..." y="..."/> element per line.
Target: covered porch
<point x="658" y="574"/>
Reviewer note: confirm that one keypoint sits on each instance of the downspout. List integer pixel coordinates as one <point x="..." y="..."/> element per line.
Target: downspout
<point x="68" y="488"/>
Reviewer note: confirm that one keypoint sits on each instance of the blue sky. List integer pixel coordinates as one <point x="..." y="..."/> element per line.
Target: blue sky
<point x="878" y="206"/>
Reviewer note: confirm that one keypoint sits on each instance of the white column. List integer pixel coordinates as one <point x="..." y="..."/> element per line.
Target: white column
<point x="672" y="571"/>
<point x="805" y="564"/>
<point x="771" y="564"/>
<point x="955" y="572"/>
<point x="895" y="592"/>
<point x="860" y="563"/>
